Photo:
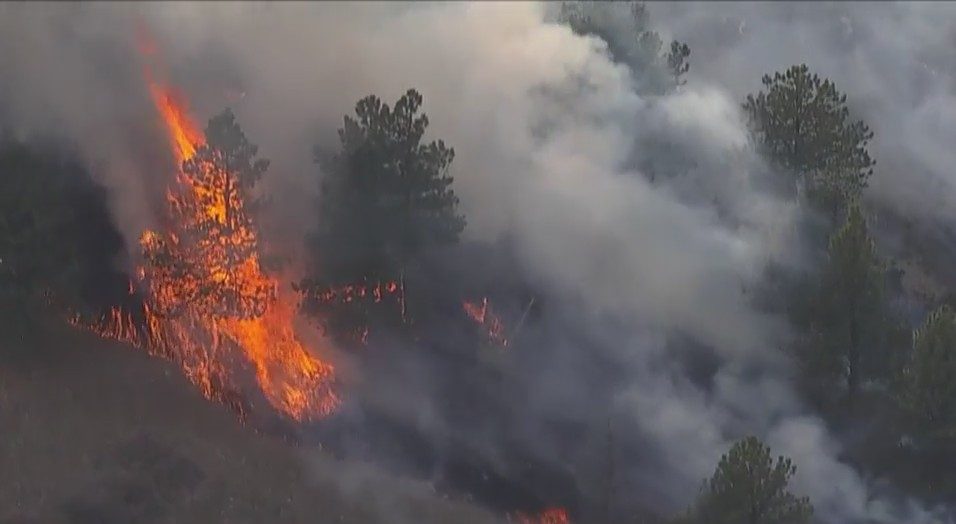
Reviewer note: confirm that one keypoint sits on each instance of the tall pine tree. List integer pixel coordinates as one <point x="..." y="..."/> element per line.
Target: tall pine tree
<point x="846" y="321"/>
<point x="929" y="377"/>
<point x="385" y="198"/>
<point x="213" y="253"/>
<point x="625" y="27"/>
<point x="803" y="124"/>
<point x="749" y="487"/>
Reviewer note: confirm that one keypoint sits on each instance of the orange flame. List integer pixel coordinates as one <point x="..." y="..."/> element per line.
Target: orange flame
<point x="483" y="316"/>
<point x="209" y="303"/>
<point x="548" y="516"/>
<point x="183" y="134"/>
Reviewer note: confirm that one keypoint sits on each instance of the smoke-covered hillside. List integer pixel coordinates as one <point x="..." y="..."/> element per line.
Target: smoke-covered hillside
<point x="571" y="262"/>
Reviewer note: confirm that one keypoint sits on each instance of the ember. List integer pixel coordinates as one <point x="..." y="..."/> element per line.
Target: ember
<point x="354" y="292"/>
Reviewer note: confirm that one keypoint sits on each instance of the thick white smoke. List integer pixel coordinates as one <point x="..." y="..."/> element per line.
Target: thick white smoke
<point x="893" y="60"/>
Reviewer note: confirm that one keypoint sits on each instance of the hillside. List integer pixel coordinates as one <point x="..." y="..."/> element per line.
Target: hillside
<point x="97" y="432"/>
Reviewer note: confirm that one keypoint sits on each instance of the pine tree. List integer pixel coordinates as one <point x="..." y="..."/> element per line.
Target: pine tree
<point x="58" y="244"/>
<point x="929" y="377"/>
<point x="385" y="198"/>
<point x="749" y="487"/>
<point x="625" y="27"/>
<point x="677" y="62"/>
<point x="230" y="151"/>
<point x="210" y="259"/>
<point x="803" y="124"/>
<point x="848" y="317"/>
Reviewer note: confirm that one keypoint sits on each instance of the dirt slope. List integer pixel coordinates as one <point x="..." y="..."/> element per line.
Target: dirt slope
<point x="96" y="432"/>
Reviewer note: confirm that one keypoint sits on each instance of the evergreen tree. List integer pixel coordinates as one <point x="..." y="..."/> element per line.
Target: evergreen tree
<point x="625" y="27"/>
<point x="677" y="62"/>
<point x="385" y="198"/>
<point x="929" y="378"/>
<point x="213" y="257"/>
<point x="230" y="151"/>
<point x="58" y="246"/>
<point x="848" y="319"/>
<point x="749" y="487"/>
<point x="803" y="124"/>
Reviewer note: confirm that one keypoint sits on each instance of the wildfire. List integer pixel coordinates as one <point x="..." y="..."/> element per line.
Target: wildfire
<point x="360" y="296"/>
<point x="548" y="516"/>
<point x="354" y="292"/>
<point x="483" y="316"/>
<point x="209" y="305"/>
<point x="183" y="133"/>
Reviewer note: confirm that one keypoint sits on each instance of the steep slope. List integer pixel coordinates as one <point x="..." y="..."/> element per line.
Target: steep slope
<point x="97" y="432"/>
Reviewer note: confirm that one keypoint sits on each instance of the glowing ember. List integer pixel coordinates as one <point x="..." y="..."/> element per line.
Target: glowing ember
<point x="210" y="306"/>
<point x="483" y="316"/>
<point x="357" y="296"/>
<point x="548" y="516"/>
<point x="355" y="292"/>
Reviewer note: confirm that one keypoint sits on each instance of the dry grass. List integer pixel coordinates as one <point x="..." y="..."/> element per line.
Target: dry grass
<point x="95" y="432"/>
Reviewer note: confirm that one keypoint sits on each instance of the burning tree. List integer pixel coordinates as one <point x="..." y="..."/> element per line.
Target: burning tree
<point x="208" y="290"/>
<point x="385" y="197"/>
<point x="209" y="305"/>
<point x="210" y="259"/>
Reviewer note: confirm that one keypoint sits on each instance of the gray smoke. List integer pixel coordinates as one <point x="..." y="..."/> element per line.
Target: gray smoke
<point x="552" y="143"/>
<point x="893" y="60"/>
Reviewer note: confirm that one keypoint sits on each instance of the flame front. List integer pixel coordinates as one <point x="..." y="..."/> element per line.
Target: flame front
<point x="214" y="283"/>
<point x="209" y="305"/>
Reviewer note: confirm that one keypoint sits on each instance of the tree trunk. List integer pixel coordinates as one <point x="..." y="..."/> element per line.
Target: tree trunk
<point x="853" y="362"/>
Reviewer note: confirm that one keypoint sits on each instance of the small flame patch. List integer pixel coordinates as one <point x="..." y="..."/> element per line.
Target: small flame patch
<point x="492" y="326"/>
